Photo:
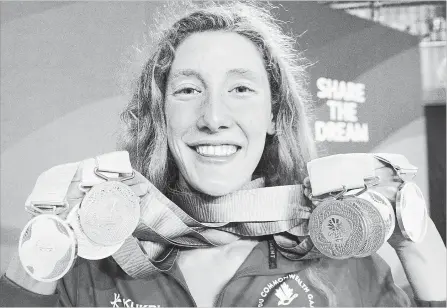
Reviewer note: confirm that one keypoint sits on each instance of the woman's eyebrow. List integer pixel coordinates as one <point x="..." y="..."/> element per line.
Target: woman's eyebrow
<point x="186" y="73"/>
<point x="235" y="71"/>
<point x="243" y="72"/>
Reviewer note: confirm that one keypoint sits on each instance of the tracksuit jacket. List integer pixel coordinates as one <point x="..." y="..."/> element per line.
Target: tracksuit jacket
<point x="265" y="279"/>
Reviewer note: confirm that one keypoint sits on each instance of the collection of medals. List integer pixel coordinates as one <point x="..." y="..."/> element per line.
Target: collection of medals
<point x="94" y="228"/>
<point x="351" y="219"/>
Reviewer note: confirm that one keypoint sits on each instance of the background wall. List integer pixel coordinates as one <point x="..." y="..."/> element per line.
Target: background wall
<point x="60" y="88"/>
<point x="61" y="68"/>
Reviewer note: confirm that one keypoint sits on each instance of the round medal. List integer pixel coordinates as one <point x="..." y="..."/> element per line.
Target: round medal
<point x="337" y="229"/>
<point x="385" y="209"/>
<point x="411" y="212"/>
<point x="86" y="248"/>
<point x="47" y="248"/>
<point x="375" y="226"/>
<point x="109" y="213"/>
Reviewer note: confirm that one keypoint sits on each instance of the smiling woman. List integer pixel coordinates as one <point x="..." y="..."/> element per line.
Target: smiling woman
<point x="217" y="132"/>
<point x="226" y="73"/>
<point x="210" y="111"/>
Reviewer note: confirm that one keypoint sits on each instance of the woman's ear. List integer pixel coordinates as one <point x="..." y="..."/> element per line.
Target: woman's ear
<point x="272" y="126"/>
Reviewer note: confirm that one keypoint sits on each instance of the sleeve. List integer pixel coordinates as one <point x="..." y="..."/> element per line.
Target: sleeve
<point x="376" y="284"/>
<point x="13" y="295"/>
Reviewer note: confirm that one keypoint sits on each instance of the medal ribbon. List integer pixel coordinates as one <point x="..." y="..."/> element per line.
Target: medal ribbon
<point x="205" y="221"/>
<point x="202" y="221"/>
<point x="333" y="173"/>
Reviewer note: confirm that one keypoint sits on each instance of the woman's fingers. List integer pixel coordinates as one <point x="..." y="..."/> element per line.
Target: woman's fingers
<point x="137" y="179"/>
<point x="306" y="182"/>
<point x="307" y="192"/>
<point x="389" y="191"/>
<point x="140" y="189"/>
<point x="73" y="190"/>
<point x="386" y="173"/>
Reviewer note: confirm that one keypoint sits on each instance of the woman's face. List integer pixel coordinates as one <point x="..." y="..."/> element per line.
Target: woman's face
<point x="218" y="111"/>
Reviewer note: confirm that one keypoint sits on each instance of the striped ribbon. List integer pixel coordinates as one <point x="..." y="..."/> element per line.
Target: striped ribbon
<point x="205" y="221"/>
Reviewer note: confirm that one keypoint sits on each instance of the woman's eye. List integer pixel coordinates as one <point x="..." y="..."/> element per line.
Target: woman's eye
<point x="241" y="90"/>
<point x="187" y="91"/>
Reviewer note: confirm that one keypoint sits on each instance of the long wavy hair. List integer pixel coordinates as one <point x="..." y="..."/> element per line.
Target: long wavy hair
<point x="286" y="153"/>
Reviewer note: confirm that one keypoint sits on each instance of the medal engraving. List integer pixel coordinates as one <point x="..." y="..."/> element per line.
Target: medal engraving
<point x="47" y="248"/>
<point x="346" y="234"/>
<point x="350" y="227"/>
<point x="336" y="229"/>
<point x="109" y="213"/>
<point x="385" y="209"/>
<point x="86" y="248"/>
<point x="375" y="226"/>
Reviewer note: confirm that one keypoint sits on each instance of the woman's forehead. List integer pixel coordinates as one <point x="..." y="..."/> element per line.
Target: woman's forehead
<point x="220" y="52"/>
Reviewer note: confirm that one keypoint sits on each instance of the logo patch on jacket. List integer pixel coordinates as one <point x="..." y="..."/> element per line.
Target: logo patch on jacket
<point x="285" y="294"/>
<point x="285" y="291"/>
<point x="119" y="301"/>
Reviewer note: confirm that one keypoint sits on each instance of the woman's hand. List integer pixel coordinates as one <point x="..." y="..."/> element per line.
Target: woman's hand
<point x="307" y="192"/>
<point x="307" y="187"/>
<point x="424" y="262"/>
<point x="15" y="270"/>
<point x="139" y="184"/>
<point x="389" y="187"/>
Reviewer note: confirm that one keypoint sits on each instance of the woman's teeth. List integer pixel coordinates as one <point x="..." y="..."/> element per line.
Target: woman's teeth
<point x="216" y="150"/>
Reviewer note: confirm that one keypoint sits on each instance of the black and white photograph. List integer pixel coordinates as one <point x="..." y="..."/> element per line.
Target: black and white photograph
<point x="238" y="153"/>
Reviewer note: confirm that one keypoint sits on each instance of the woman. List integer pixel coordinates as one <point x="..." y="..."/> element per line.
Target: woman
<point x="219" y="107"/>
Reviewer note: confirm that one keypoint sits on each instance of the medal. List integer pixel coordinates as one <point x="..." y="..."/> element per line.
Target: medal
<point x="374" y="221"/>
<point x="337" y="228"/>
<point x="86" y="248"/>
<point x="411" y="212"/>
<point x="109" y="213"/>
<point x="385" y="208"/>
<point x="358" y="171"/>
<point x="47" y="248"/>
<point x="350" y="227"/>
<point x="95" y="229"/>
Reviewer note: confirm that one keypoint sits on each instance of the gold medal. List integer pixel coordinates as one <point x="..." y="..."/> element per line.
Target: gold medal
<point x="47" y="248"/>
<point x="109" y="213"/>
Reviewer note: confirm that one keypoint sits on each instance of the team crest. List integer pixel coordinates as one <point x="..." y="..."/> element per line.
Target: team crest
<point x="287" y="290"/>
<point x="285" y="294"/>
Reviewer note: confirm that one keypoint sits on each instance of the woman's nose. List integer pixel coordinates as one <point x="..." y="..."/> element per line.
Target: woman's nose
<point x="215" y="115"/>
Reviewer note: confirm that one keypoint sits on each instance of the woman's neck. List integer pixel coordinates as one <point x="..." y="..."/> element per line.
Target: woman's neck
<point x="182" y="186"/>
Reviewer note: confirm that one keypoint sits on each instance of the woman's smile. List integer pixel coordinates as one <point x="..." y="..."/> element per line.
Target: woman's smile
<point x="223" y="150"/>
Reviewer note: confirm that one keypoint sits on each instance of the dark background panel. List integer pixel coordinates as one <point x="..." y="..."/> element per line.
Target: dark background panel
<point x="436" y="143"/>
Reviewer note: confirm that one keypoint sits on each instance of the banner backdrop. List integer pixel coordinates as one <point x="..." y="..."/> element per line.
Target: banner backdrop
<point x="365" y="77"/>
